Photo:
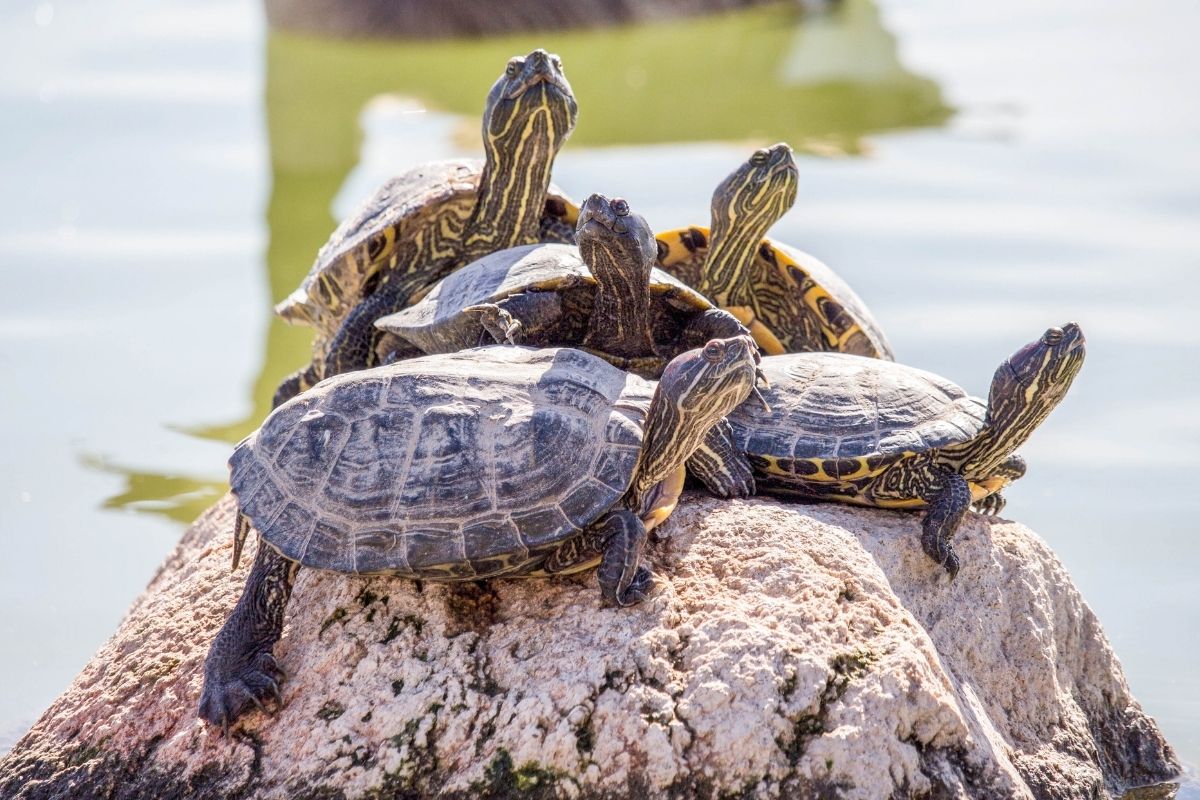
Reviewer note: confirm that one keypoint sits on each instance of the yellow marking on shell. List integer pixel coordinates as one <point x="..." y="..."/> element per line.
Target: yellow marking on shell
<point x="864" y="470"/>
<point x="331" y="291"/>
<point x="571" y="217"/>
<point x="676" y="250"/>
<point x="591" y="563"/>
<point x="812" y="299"/>
<point x="668" y="497"/>
<point x="907" y="502"/>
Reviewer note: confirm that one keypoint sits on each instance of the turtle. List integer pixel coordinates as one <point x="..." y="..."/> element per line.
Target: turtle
<point x="438" y="216"/>
<point x="876" y="433"/>
<point x="494" y="461"/>
<point x="790" y="301"/>
<point x="604" y="296"/>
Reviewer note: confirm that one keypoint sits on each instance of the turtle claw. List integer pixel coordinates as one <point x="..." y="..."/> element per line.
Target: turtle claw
<point x="225" y="698"/>
<point x="638" y="589"/>
<point x="501" y="325"/>
<point x="939" y="550"/>
<point x="991" y="505"/>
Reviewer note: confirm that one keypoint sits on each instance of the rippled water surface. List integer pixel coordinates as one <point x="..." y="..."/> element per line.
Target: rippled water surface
<point x="169" y="170"/>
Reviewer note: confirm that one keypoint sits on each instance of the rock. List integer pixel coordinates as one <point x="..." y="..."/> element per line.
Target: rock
<point x="792" y="651"/>
<point x="421" y="19"/>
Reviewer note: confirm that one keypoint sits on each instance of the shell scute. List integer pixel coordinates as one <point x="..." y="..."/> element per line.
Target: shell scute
<point x="312" y="450"/>
<point x="492" y="538"/>
<point x="298" y="519"/>
<point x="542" y="525"/>
<point x="580" y="501"/>
<point x="379" y="551"/>
<point x="444" y="470"/>
<point x="365" y="476"/>
<point x="613" y="469"/>
<point x="857" y="446"/>
<point x="265" y="501"/>
<point x="433" y="545"/>
<point x="325" y="546"/>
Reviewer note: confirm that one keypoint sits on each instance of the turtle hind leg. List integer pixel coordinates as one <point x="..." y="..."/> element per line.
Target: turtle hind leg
<point x="240" y="671"/>
<point x="354" y="345"/>
<point x="946" y="510"/>
<point x="619" y="538"/>
<point x="299" y="381"/>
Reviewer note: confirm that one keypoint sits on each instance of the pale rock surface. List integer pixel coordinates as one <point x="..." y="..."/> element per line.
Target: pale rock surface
<point x="792" y="651"/>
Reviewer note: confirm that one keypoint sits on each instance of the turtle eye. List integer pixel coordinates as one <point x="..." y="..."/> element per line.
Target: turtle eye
<point x="713" y="351"/>
<point x="513" y="66"/>
<point x="556" y="61"/>
<point x="759" y="158"/>
<point x="620" y="207"/>
<point x="1053" y="336"/>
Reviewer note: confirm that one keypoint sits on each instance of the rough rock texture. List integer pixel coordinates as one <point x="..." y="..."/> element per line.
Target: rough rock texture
<point x="792" y="651"/>
<point x="413" y="19"/>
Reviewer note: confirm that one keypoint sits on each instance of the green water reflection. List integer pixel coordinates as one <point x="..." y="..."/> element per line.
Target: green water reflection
<point x="177" y="497"/>
<point x="768" y="74"/>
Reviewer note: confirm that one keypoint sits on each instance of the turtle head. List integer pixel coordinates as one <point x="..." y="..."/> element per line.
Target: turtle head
<point x="758" y="193"/>
<point x="707" y="383"/>
<point x="1030" y="383"/>
<point x="744" y="207"/>
<point x="530" y="109"/>
<point x="696" y="390"/>
<point x="610" y="235"/>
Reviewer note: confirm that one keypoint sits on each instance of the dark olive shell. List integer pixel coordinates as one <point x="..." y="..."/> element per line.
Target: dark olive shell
<point x="456" y="467"/>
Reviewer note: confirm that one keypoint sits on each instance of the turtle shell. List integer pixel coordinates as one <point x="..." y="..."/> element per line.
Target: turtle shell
<point x="431" y="200"/>
<point x="452" y="467"/>
<point x="829" y="316"/>
<point x="438" y="324"/>
<point x="835" y="407"/>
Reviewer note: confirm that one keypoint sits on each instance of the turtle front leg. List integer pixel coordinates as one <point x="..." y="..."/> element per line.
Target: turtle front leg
<point x="240" y="671"/>
<point x="514" y="319"/>
<point x="991" y="505"/>
<point x="299" y="381"/>
<point x="354" y="345"/>
<point x="946" y="510"/>
<point x="619" y="537"/>
<point x="1011" y="469"/>
<point x="720" y="466"/>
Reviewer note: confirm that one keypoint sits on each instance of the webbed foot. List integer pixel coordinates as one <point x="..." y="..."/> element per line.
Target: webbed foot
<point x="638" y="589"/>
<point x="991" y="505"/>
<point x="231" y="689"/>
<point x="500" y="324"/>
<point x="619" y="538"/>
<point x="241" y="672"/>
<point x="940" y="551"/>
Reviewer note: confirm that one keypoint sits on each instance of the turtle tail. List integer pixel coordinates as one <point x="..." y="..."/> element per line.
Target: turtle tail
<point x="241" y="528"/>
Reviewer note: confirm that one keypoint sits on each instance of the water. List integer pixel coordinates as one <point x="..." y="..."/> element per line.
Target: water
<point x="169" y="171"/>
